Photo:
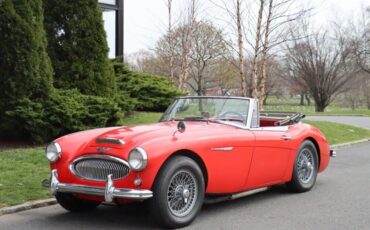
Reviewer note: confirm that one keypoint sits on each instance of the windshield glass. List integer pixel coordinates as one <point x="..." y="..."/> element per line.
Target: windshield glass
<point x="208" y="109"/>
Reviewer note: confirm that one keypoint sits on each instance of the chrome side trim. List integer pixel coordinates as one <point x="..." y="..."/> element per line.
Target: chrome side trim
<point x="223" y="149"/>
<point x="95" y="156"/>
<point x="109" y="192"/>
<point x="272" y="128"/>
<point x="248" y="193"/>
<point x="110" y="140"/>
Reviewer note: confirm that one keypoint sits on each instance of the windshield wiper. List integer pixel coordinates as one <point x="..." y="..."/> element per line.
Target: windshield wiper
<point x="188" y="119"/>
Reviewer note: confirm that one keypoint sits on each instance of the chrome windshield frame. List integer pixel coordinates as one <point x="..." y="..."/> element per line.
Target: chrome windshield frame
<point x="246" y="125"/>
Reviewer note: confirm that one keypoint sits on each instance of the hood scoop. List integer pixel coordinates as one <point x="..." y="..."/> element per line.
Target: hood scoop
<point x="110" y="140"/>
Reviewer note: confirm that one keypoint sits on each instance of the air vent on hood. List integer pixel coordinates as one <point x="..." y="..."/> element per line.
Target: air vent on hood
<point x="110" y="140"/>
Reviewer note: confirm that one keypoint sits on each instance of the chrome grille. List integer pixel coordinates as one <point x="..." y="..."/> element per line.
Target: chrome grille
<point x="98" y="167"/>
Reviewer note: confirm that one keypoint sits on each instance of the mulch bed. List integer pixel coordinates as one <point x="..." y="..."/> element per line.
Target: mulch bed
<point x="12" y="144"/>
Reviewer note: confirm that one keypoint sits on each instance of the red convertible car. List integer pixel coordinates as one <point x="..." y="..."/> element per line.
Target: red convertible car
<point x="204" y="149"/>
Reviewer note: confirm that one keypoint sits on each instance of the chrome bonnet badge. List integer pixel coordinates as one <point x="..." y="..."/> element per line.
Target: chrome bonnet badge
<point x="103" y="149"/>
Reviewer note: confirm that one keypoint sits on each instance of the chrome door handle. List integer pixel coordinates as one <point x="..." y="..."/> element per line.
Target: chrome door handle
<point x="285" y="137"/>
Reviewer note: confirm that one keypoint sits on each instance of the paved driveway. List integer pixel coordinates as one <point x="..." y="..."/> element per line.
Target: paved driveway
<point x="340" y="200"/>
<point x="359" y="121"/>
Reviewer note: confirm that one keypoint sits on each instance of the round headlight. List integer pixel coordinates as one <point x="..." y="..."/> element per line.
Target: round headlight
<point x="53" y="152"/>
<point x="138" y="159"/>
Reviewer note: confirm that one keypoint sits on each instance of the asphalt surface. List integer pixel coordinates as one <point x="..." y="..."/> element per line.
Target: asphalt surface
<point x="339" y="200"/>
<point x="359" y="121"/>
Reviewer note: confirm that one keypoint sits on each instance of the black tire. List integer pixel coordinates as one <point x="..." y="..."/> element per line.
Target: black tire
<point x="73" y="204"/>
<point x="306" y="162"/>
<point x="168" y="190"/>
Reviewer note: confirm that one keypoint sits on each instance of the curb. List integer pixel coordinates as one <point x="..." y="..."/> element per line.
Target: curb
<point x="349" y="144"/>
<point x="336" y="115"/>
<point x="27" y="206"/>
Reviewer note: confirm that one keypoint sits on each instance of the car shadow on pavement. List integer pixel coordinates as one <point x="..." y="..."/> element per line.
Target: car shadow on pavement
<point x="129" y="216"/>
<point x="137" y="215"/>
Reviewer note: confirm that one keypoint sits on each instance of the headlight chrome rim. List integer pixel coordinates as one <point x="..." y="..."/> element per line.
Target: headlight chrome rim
<point x="53" y="156"/>
<point x="143" y="160"/>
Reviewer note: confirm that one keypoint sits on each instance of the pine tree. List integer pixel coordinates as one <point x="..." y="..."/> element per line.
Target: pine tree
<point x="25" y="68"/>
<point x="78" y="48"/>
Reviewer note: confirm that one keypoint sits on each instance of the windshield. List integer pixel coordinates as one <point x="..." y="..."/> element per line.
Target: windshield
<point x="233" y="110"/>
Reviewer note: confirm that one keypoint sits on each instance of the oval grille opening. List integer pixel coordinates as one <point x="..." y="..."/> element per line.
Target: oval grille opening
<point x="99" y="169"/>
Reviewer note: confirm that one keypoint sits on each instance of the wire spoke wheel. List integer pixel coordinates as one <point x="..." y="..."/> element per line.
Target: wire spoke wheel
<point x="305" y="165"/>
<point x="179" y="192"/>
<point x="182" y="193"/>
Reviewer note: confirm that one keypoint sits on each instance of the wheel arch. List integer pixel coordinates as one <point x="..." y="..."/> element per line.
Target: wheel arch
<point x="192" y="155"/>
<point x="313" y="140"/>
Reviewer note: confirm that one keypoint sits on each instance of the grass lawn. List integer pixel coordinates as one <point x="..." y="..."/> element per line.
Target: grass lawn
<point x="339" y="133"/>
<point x="141" y="118"/>
<point x="22" y="170"/>
<point x="310" y="110"/>
<point x="292" y="105"/>
<point x="21" y="173"/>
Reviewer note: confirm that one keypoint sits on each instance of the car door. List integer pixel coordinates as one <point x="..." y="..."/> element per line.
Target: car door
<point x="271" y="156"/>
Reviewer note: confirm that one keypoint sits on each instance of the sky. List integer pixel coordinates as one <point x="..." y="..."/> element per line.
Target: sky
<point x="146" y="20"/>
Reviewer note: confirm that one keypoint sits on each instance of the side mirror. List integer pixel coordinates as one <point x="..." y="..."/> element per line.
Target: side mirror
<point x="181" y="126"/>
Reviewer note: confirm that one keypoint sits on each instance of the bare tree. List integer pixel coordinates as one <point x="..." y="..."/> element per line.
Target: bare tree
<point x="257" y="50"/>
<point x="148" y="62"/>
<point x="170" y="40"/>
<point x="262" y="84"/>
<point x="226" y="73"/>
<point x="322" y="64"/>
<point x="362" y="42"/>
<point x="186" y="44"/>
<point x="208" y="47"/>
<point x="280" y="15"/>
<point x="235" y="13"/>
<point x="242" y="74"/>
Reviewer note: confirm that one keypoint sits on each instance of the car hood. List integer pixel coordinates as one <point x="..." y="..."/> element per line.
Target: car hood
<point x="148" y="136"/>
<point x="136" y="135"/>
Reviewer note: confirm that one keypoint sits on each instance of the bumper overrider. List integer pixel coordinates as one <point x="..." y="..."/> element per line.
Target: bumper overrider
<point x="109" y="192"/>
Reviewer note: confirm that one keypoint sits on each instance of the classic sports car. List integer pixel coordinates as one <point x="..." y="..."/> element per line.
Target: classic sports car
<point x="204" y="149"/>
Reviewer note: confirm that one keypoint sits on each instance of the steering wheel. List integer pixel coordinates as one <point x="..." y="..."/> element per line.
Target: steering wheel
<point x="232" y="113"/>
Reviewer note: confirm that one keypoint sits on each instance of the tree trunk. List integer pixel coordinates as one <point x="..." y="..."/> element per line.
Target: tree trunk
<point x="301" y="103"/>
<point x="265" y="100"/>
<point x="170" y="40"/>
<point x="262" y="85"/>
<point x="242" y="74"/>
<point x="308" y="99"/>
<point x="183" y="78"/>
<point x="200" y="86"/>
<point x="320" y="107"/>
<point x="256" y="49"/>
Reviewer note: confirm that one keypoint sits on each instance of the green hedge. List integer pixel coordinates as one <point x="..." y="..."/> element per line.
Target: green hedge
<point x="25" y="68"/>
<point x="148" y="92"/>
<point x="77" y="46"/>
<point x="64" y="112"/>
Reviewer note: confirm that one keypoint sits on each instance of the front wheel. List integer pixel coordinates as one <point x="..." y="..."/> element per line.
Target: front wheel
<point x="178" y="192"/>
<point x="305" y="168"/>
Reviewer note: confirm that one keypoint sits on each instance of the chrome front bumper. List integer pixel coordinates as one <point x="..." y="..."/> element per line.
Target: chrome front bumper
<point x="109" y="192"/>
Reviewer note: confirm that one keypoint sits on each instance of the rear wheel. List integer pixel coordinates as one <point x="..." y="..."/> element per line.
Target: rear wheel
<point x="178" y="192"/>
<point x="305" y="168"/>
<point x="73" y="204"/>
